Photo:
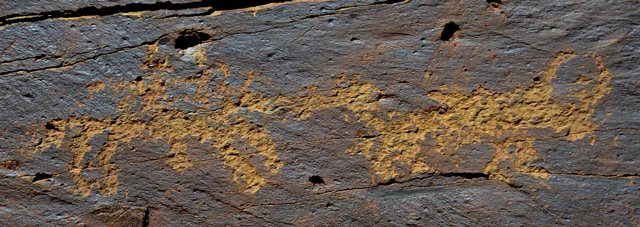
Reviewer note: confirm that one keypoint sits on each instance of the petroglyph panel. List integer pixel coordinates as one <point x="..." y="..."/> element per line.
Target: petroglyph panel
<point x="277" y="113"/>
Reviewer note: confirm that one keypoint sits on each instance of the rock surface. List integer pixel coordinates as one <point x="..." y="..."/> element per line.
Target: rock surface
<point x="337" y="113"/>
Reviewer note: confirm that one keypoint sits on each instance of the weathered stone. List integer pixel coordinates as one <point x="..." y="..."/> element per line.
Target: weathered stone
<point x="344" y="112"/>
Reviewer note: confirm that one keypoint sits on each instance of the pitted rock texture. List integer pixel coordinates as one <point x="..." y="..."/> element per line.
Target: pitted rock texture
<point x="320" y="113"/>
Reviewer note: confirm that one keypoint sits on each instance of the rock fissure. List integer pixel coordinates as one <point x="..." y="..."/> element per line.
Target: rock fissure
<point x="135" y="7"/>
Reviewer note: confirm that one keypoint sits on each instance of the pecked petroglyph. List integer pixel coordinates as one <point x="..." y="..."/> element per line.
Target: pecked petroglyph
<point x="483" y="116"/>
<point x="147" y="114"/>
<point x="399" y="140"/>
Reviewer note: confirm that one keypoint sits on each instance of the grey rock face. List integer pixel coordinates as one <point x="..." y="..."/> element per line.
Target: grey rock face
<point x="336" y="113"/>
